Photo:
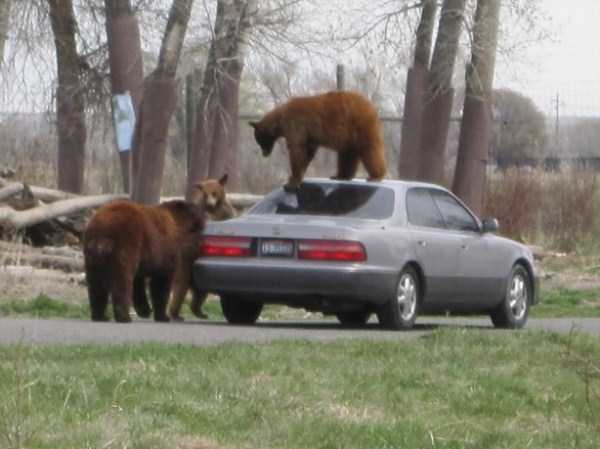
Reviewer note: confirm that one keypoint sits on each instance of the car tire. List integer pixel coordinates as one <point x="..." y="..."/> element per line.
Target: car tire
<point x="238" y="311"/>
<point x="513" y="311"/>
<point x="401" y="311"/>
<point x="354" y="317"/>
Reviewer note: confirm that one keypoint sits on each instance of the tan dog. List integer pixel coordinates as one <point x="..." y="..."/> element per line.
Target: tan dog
<point x="210" y="194"/>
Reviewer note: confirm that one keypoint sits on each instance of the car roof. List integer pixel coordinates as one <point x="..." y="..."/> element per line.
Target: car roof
<point x="393" y="183"/>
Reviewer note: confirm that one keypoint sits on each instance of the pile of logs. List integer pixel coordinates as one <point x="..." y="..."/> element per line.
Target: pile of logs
<point x="43" y="228"/>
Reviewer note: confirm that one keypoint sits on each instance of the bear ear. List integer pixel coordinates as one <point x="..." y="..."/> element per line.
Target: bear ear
<point x="223" y="179"/>
<point x="253" y="124"/>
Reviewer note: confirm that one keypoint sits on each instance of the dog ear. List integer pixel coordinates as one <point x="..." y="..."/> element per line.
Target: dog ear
<point x="223" y="179"/>
<point x="253" y="124"/>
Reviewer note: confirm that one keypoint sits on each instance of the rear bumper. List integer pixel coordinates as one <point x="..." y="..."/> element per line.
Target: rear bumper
<point x="283" y="281"/>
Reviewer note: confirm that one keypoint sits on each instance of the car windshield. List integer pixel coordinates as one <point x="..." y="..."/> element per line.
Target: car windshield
<point x="329" y="199"/>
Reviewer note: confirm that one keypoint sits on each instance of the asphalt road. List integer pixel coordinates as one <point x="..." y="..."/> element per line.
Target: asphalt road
<point x="202" y="333"/>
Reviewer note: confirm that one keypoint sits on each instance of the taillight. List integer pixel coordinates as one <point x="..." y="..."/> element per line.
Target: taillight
<point x="224" y="246"/>
<point x="331" y="250"/>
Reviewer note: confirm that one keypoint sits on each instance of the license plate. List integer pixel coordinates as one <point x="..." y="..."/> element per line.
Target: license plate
<point x="277" y="248"/>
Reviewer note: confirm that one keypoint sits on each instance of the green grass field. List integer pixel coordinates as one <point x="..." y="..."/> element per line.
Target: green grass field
<point x="558" y="302"/>
<point x="454" y="389"/>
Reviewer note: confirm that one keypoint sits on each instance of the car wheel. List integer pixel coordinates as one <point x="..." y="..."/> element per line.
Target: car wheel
<point x="354" y="317"/>
<point x="400" y="312"/>
<point x="513" y="311"/>
<point x="238" y="311"/>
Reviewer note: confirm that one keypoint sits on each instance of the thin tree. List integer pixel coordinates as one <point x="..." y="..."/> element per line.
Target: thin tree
<point x="474" y="140"/>
<point x="440" y="94"/>
<point x="70" y="108"/>
<point x="416" y="79"/>
<point x="215" y="138"/>
<point x="126" y="67"/>
<point x="158" y="104"/>
<point x="4" y="20"/>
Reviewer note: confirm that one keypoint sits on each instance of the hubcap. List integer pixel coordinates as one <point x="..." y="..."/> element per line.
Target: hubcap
<point x="407" y="296"/>
<point x="517" y="297"/>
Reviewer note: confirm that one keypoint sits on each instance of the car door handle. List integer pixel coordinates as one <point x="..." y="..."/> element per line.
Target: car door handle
<point x="422" y="242"/>
<point x="464" y="247"/>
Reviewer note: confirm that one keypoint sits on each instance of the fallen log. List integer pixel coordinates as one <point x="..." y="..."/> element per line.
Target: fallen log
<point x="22" y="219"/>
<point x="62" y="263"/>
<point x="237" y="200"/>
<point x="42" y="193"/>
<point x="16" y="248"/>
<point x="58" y="258"/>
<point x="11" y="190"/>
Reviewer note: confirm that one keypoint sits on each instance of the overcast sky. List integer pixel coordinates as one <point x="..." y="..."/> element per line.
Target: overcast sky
<point x="567" y="65"/>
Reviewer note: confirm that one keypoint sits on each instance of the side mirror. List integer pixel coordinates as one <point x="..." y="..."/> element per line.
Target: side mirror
<point x="489" y="225"/>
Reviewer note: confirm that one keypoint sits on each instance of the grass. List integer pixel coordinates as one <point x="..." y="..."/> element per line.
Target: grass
<point x="554" y="303"/>
<point x="43" y="306"/>
<point x="566" y="302"/>
<point x="453" y="389"/>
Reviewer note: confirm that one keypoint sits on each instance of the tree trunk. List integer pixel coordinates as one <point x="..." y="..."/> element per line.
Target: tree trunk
<point x="4" y="23"/>
<point x="70" y="112"/>
<point x="439" y="94"/>
<point x="408" y="163"/>
<point x="215" y="139"/>
<point x="158" y="104"/>
<point x="126" y="67"/>
<point x="471" y="163"/>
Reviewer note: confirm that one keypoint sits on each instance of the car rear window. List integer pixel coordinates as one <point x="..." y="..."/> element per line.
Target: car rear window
<point x="329" y="199"/>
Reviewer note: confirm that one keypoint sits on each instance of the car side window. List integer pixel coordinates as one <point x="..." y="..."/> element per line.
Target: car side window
<point x="421" y="209"/>
<point x="457" y="218"/>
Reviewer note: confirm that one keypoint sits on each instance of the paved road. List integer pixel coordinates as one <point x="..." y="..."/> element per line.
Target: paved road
<point x="210" y="332"/>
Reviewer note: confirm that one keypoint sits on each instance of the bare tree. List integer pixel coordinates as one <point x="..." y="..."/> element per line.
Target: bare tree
<point x="158" y="104"/>
<point x="70" y="109"/>
<point x="439" y="94"/>
<point x="126" y="67"/>
<point x="408" y="162"/>
<point x="217" y="127"/>
<point x="474" y="140"/>
<point x="4" y="16"/>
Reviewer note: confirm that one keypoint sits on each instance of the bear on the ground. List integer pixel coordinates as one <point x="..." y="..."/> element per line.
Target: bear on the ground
<point x="342" y="121"/>
<point x="211" y="195"/>
<point x="126" y="243"/>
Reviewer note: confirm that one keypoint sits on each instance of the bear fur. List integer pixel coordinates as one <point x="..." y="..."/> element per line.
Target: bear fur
<point x="211" y="195"/>
<point x="342" y="121"/>
<point x="125" y="243"/>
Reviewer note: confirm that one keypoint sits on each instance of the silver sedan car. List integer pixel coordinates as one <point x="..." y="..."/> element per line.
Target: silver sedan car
<point x="396" y="249"/>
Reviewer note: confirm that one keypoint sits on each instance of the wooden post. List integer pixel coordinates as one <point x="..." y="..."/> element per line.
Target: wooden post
<point x="340" y="77"/>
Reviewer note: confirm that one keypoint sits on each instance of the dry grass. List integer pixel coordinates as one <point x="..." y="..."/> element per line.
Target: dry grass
<point x="558" y="209"/>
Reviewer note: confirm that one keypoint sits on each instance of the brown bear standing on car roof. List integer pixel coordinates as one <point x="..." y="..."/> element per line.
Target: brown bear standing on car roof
<point x="211" y="194"/>
<point x="342" y="121"/>
<point x="125" y="243"/>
